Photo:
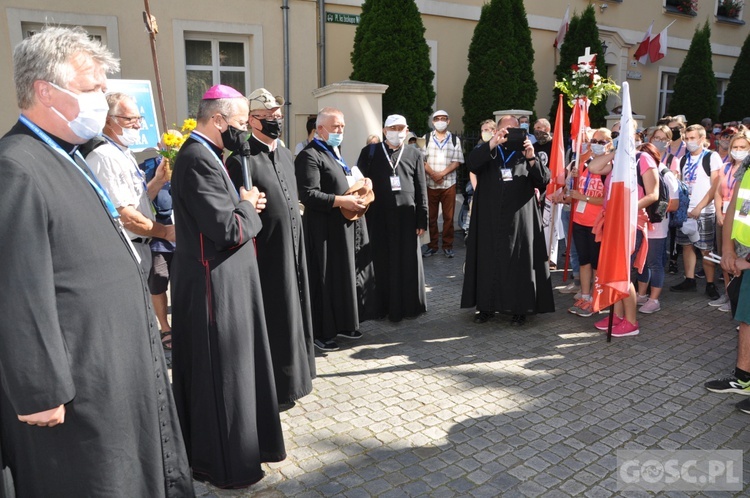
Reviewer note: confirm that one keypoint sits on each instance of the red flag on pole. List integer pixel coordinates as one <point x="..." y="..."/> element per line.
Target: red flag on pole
<point x="621" y="218"/>
<point x="563" y="29"/>
<point x="557" y="154"/>
<point x="641" y="53"/>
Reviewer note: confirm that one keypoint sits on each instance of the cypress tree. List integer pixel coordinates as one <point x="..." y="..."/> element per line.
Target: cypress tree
<point x="695" y="85"/>
<point x="582" y="32"/>
<point x="501" y="58"/>
<point x="736" y="98"/>
<point x="389" y="48"/>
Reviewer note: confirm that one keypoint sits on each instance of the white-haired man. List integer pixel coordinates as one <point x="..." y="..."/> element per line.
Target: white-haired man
<point x="85" y="403"/>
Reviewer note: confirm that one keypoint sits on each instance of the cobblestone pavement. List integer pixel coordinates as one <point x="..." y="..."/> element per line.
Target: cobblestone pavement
<point x="440" y="406"/>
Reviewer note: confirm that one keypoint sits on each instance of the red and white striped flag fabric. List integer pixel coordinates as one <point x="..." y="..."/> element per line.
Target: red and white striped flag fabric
<point x="620" y="217"/>
<point x="562" y="30"/>
<point x="641" y="53"/>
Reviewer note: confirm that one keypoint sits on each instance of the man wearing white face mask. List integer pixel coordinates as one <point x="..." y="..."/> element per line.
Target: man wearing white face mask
<point x="395" y="220"/>
<point x="442" y="155"/>
<point x="699" y="169"/>
<point x="117" y="169"/>
<point x="86" y="407"/>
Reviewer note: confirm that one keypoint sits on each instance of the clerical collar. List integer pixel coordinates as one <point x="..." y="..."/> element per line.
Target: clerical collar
<point x="219" y="151"/>
<point x="264" y="146"/>
<point x="68" y="147"/>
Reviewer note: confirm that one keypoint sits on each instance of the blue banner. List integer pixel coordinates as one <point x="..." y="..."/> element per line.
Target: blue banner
<point x="141" y="91"/>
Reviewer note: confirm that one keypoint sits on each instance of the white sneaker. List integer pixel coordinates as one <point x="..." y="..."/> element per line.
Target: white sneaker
<point x="726" y="307"/>
<point x="641" y="299"/>
<point x="724" y="299"/>
<point x="651" y="306"/>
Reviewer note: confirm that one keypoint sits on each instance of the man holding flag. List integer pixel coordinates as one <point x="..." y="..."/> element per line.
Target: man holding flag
<point x="624" y="216"/>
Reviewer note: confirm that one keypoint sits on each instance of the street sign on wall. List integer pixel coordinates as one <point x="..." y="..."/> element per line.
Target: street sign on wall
<point x="339" y="18"/>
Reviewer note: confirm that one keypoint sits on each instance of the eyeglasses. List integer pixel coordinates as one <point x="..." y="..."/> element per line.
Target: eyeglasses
<point x="615" y="134"/>
<point x="600" y="142"/>
<point x="440" y="118"/>
<point x="242" y="125"/>
<point x="129" y="120"/>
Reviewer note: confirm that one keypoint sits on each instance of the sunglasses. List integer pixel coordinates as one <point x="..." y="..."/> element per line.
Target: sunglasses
<point x="600" y="142"/>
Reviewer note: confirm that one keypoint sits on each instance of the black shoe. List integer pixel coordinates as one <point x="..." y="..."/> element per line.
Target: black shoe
<point x="700" y="274"/>
<point x="687" y="285"/>
<point x="711" y="291"/>
<point x="518" y="320"/>
<point x="673" y="268"/>
<point x="351" y="334"/>
<point x="482" y="316"/>
<point x="326" y="344"/>
<point x="744" y="406"/>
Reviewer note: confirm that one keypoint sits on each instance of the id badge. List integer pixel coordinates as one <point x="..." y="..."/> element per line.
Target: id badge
<point x="506" y="174"/>
<point x="745" y="209"/>
<point x="395" y="183"/>
<point x="581" y="207"/>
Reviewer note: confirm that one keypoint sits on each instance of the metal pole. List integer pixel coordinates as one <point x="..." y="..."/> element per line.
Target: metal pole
<point x="287" y="103"/>
<point x="152" y="29"/>
<point x="322" y="42"/>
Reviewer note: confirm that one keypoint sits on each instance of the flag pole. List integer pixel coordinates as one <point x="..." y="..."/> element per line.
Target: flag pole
<point x="611" y="321"/>
<point x="152" y="28"/>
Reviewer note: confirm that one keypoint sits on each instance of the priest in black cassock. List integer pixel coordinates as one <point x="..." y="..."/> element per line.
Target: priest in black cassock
<point x="323" y="177"/>
<point x="85" y="403"/>
<point x="280" y="250"/>
<point x="396" y="219"/>
<point x="223" y="378"/>
<point x="506" y="257"/>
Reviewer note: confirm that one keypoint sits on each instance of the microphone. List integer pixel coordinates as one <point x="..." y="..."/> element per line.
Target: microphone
<point x="244" y="153"/>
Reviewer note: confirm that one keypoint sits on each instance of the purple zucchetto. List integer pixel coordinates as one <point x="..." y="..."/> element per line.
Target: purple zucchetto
<point x="221" y="92"/>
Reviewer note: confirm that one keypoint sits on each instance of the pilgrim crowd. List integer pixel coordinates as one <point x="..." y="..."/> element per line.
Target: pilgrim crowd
<point x="270" y="255"/>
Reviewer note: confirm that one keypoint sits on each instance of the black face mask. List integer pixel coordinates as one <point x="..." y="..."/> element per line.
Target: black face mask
<point x="676" y="133"/>
<point x="542" y="136"/>
<point x="271" y="127"/>
<point x="233" y="138"/>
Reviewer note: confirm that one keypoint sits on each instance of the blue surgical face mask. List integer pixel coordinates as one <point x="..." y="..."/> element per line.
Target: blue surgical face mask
<point x="335" y="139"/>
<point x="525" y="126"/>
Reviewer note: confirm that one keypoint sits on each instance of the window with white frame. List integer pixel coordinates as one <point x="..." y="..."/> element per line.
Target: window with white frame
<point x="212" y="60"/>
<point x="23" y="23"/>
<point x="666" y="89"/>
<point x="98" y="33"/>
<point x="208" y="53"/>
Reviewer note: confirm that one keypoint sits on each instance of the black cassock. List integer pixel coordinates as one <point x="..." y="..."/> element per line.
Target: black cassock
<point x="392" y="222"/>
<point x="506" y="257"/>
<point x="339" y="261"/>
<point x="76" y="328"/>
<point x="283" y="268"/>
<point x="223" y="378"/>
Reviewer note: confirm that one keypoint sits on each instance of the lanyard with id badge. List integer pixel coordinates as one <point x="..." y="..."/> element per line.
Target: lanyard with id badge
<point x="395" y="179"/>
<point x="506" y="173"/>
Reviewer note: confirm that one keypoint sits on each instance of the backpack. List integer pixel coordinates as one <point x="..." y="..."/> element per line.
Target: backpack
<point x="454" y="138"/>
<point x="656" y="211"/>
<point x="678" y="217"/>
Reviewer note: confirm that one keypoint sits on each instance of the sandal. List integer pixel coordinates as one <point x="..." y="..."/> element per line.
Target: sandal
<point x="166" y="339"/>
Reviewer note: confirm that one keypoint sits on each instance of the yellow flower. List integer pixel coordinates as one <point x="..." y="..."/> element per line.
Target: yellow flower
<point x="188" y="125"/>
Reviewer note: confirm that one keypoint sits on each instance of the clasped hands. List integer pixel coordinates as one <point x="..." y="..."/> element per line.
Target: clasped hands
<point x="254" y="197"/>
